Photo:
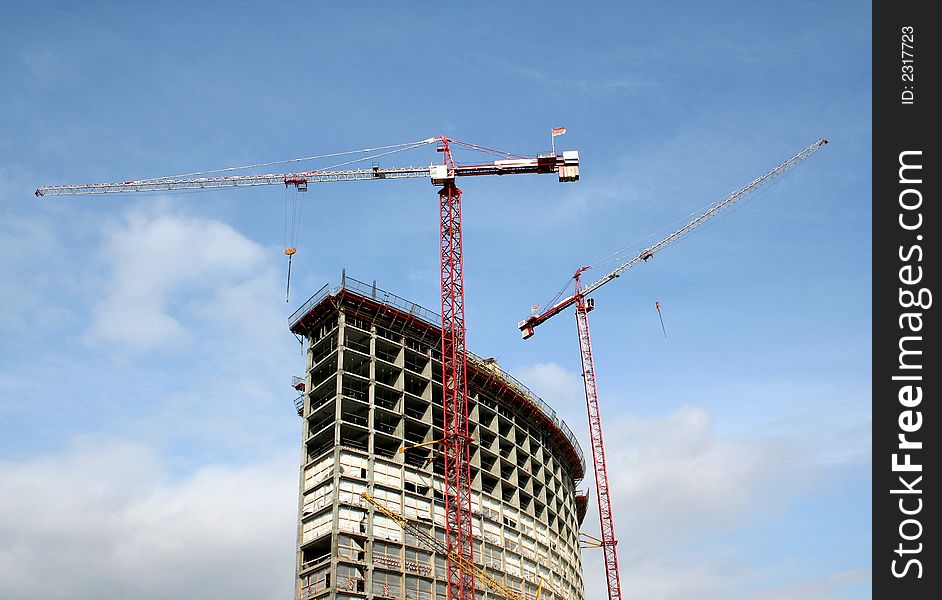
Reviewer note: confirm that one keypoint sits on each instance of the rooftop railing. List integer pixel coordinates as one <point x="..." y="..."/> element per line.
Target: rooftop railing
<point x="385" y="298"/>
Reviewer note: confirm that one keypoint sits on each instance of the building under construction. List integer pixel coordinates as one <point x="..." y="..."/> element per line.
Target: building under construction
<point x="372" y="411"/>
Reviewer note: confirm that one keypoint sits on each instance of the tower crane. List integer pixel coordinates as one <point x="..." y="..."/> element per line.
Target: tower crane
<point x="456" y="440"/>
<point x="583" y="303"/>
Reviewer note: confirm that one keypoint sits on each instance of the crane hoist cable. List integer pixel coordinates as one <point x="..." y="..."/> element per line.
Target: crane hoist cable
<point x="657" y="306"/>
<point x="295" y="208"/>
<point x="292" y="234"/>
<point x="293" y="213"/>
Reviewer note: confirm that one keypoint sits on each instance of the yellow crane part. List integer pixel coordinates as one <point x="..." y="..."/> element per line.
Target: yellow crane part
<point x="460" y="561"/>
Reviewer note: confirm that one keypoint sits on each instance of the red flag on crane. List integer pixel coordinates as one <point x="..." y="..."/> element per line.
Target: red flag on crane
<point x="558" y="131"/>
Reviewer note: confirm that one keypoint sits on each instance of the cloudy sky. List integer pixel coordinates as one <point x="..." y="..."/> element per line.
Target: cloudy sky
<point x="148" y="441"/>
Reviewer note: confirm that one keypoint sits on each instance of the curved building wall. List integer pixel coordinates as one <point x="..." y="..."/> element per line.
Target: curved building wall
<point x="373" y="387"/>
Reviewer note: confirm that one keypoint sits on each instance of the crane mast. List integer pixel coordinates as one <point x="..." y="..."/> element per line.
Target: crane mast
<point x="607" y="541"/>
<point x="456" y="442"/>
<point x="583" y="305"/>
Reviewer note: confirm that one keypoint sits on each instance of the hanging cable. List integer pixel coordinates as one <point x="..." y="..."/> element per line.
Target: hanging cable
<point x="284" y="238"/>
<point x="657" y="306"/>
<point x="292" y="234"/>
<point x="558" y="295"/>
<point x="498" y="153"/>
<point x="406" y="146"/>
<point x="374" y="156"/>
<point x="290" y="252"/>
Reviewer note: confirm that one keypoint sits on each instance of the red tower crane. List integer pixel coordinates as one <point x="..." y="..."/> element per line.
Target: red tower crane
<point x="583" y="303"/>
<point x="456" y="441"/>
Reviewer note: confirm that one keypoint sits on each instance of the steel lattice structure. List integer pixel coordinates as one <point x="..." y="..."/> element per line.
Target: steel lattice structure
<point x="456" y="442"/>
<point x="608" y="541"/>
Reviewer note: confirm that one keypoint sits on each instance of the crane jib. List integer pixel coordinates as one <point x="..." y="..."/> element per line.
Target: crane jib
<point x="527" y="326"/>
<point x="565" y="164"/>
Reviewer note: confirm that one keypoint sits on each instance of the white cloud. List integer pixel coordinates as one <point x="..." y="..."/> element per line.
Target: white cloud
<point x="30" y="251"/>
<point x="682" y="497"/>
<point x="560" y="388"/>
<point x="680" y="489"/>
<point x="707" y="577"/>
<point x="104" y="520"/>
<point x="656" y="578"/>
<point x="210" y="299"/>
<point x="835" y="585"/>
<point x="158" y="262"/>
<point x="673" y="476"/>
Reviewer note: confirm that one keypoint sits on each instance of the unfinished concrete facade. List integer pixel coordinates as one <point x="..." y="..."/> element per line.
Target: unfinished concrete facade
<point x="372" y="387"/>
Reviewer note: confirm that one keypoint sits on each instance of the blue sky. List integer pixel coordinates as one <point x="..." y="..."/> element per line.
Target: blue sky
<point x="146" y="423"/>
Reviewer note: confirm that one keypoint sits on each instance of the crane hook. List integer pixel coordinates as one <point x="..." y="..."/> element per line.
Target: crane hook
<point x="290" y="252"/>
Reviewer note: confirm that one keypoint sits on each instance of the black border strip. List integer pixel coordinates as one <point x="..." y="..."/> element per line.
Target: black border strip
<point x="906" y="370"/>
